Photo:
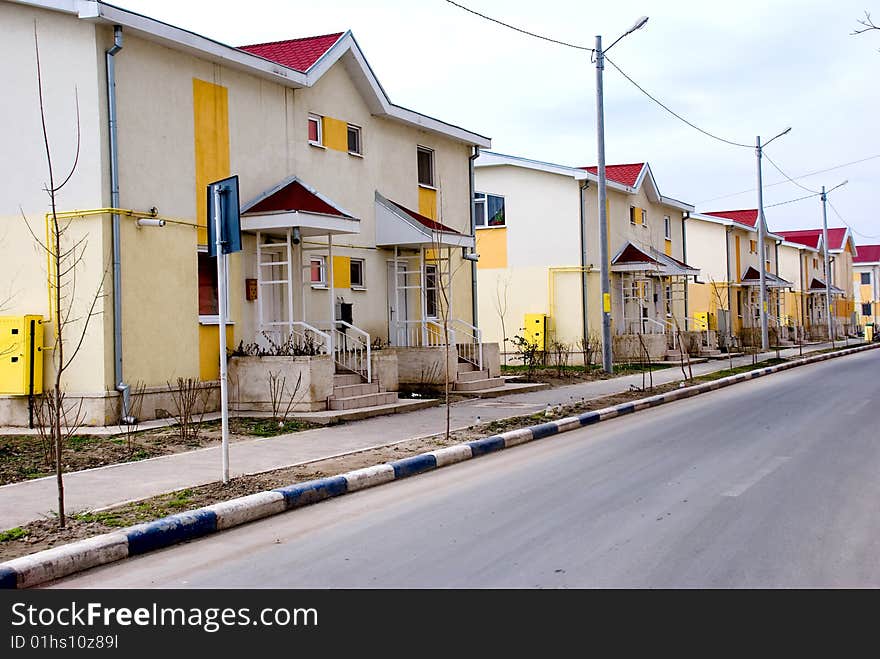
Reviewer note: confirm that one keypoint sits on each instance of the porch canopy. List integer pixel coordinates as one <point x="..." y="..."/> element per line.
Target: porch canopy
<point x="652" y="262"/>
<point x="752" y="277"/>
<point x="818" y="286"/>
<point x="293" y="203"/>
<point x="398" y="226"/>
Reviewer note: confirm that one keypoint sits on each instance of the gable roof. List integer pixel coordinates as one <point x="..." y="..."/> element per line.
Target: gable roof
<point x="747" y="217"/>
<point x="752" y="277"/>
<point x="301" y="51"/>
<point x="292" y="195"/>
<point x="809" y="237"/>
<point x="627" y="175"/>
<point x="868" y="254"/>
<point x="398" y="225"/>
<point x="635" y="259"/>
<point x="837" y="238"/>
<point x="299" y="54"/>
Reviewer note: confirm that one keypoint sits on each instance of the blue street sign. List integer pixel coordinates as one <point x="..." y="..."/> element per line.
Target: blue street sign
<point x="230" y="221"/>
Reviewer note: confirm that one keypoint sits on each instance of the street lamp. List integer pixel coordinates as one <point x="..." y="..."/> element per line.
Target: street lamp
<point x="827" y="259"/>
<point x="762" y="228"/>
<point x="604" y="265"/>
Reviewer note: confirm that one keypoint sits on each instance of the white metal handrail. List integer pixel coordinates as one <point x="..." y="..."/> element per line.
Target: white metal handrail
<point x="419" y="333"/>
<point x="468" y="342"/>
<point x="301" y="335"/>
<point x="351" y="351"/>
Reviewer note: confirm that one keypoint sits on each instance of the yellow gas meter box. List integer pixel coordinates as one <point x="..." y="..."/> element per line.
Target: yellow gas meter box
<point x="21" y="355"/>
<point x="536" y="329"/>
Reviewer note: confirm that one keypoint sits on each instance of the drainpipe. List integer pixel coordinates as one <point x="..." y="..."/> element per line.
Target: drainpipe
<point x="121" y="387"/>
<point x="584" y="323"/>
<point x="727" y="232"/>
<point x="474" y="304"/>
<point x="684" y="257"/>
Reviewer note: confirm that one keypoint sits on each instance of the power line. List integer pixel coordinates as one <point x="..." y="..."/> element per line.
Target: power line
<point x="789" y="178"/>
<point x="670" y="111"/>
<point x="521" y="30"/>
<point x="840" y="217"/>
<point x="791" y="201"/>
<point x="818" y="171"/>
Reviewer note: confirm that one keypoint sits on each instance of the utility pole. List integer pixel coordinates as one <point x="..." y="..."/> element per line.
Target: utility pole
<point x="824" y="197"/>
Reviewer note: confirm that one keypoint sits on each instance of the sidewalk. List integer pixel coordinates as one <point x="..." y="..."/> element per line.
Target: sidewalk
<point x="106" y="486"/>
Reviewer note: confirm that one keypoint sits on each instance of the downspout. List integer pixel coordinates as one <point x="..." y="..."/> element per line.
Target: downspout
<point x="121" y="387"/>
<point x="727" y="232"/>
<point x="584" y="322"/>
<point x="684" y="257"/>
<point x="474" y="302"/>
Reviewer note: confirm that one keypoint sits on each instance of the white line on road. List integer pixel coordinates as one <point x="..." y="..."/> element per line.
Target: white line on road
<point x="764" y="471"/>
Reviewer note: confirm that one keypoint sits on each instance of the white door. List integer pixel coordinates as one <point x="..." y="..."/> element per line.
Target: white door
<point x="397" y="308"/>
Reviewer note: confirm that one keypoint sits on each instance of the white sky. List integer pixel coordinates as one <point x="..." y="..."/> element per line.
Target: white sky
<point x="735" y="69"/>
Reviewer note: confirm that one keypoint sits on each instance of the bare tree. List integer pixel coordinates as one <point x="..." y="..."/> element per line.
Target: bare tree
<point x="721" y="303"/>
<point x="867" y="25"/>
<point x="502" y="291"/>
<point x="65" y="254"/>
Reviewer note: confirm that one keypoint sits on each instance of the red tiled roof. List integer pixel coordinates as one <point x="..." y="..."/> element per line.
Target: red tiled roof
<point x="632" y="254"/>
<point x="748" y="217"/>
<point x="624" y="174"/>
<point x="299" y="54"/>
<point x="433" y="225"/>
<point x="811" y="237"/>
<point x="295" y="197"/>
<point x="867" y="254"/>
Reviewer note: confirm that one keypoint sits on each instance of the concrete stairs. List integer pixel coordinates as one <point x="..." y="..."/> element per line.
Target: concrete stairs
<point x="469" y="378"/>
<point x="350" y="392"/>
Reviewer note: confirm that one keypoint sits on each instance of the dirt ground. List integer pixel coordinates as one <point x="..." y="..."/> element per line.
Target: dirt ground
<point x="574" y="374"/>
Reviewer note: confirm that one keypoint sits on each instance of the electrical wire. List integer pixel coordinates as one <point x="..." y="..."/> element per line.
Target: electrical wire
<point x="673" y="113"/>
<point x="840" y="217"/>
<point x="789" y="178"/>
<point x="521" y="30"/>
<point x="791" y="201"/>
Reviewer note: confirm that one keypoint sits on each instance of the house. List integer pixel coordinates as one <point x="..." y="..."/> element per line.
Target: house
<point x="724" y="246"/>
<point x="356" y="213"/>
<point x="803" y="307"/>
<point x="841" y="250"/>
<point x="866" y="285"/>
<point x="537" y="233"/>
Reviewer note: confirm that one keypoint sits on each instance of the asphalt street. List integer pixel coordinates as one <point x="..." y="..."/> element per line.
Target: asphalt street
<point x="771" y="483"/>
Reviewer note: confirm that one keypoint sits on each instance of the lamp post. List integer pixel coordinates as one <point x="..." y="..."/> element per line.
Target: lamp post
<point x="762" y="229"/>
<point x="828" y="260"/>
<point x="604" y="265"/>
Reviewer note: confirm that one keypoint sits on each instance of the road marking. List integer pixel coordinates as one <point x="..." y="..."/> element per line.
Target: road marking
<point x="764" y="471"/>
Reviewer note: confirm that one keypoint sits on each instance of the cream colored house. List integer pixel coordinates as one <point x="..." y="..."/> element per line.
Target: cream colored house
<point x="356" y="213"/>
<point x="866" y="285"/>
<point x="803" y="308"/>
<point x="724" y="246"/>
<point x="537" y="237"/>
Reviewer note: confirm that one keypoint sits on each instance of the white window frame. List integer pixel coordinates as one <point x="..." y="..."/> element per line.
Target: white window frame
<point x="319" y="120"/>
<point x="484" y="201"/>
<point x="362" y="286"/>
<point x="644" y="218"/>
<point x="632" y="215"/>
<point x="214" y="319"/>
<point x="323" y="261"/>
<point x="360" y="140"/>
<point x="433" y="267"/>
<point x="424" y="149"/>
<point x="862" y="281"/>
<point x="667" y="227"/>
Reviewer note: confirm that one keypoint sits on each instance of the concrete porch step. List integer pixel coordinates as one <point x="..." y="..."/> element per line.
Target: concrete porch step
<point x="477" y="385"/>
<point x="348" y="390"/>
<point x="346" y="379"/>
<point x="470" y="376"/>
<point x="709" y="353"/>
<point x="466" y="367"/>
<point x="366" y="400"/>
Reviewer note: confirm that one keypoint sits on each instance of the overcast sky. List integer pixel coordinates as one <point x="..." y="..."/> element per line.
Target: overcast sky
<point x="749" y="68"/>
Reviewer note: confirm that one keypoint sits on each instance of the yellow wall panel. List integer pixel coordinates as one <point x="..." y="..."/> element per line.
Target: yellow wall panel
<point x="667" y="248"/>
<point x="209" y="350"/>
<point x="865" y="292"/>
<point x="492" y="248"/>
<point x="211" y="129"/>
<point x="341" y="272"/>
<point x="428" y="202"/>
<point x="335" y="134"/>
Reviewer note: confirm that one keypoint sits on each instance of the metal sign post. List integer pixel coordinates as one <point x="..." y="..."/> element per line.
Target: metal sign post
<point x="226" y="238"/>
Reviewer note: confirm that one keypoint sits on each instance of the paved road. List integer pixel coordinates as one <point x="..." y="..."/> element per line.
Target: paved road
<point x="107" y="486"/>
<point x="768" y="483"/>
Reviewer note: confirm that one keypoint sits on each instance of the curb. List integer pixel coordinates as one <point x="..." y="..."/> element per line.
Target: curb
<point x="58" y="562"/>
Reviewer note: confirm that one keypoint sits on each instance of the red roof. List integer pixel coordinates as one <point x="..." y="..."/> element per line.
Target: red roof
<point x="632" y="254"/>
<point x="299" y="54"/>
<point x="811" y="237"/>
<point x="748" y="217"/>
<point x="624" y="174"/>
<point x="868" y="254"/>
<point x="295" y="197"/>
<point x="433" y="225"/>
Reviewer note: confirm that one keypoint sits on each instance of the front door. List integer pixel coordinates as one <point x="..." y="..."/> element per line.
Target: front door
<point x="397" y="306"/>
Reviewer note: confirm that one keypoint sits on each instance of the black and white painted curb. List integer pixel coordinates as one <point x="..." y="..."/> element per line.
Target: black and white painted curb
<point x="62" y="561"/>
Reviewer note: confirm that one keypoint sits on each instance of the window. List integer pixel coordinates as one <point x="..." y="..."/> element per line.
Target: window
<point x="667" y="228"/>
<point x="866" y="278"/>
<point x="426" y="166"/>
<point x="207" y="285"/>
<point x="357" y="273"/>
<point x="431" y="290"/>
<point x="644" y="218"/>
<point x="815" y="263"/>
<point x="632" y="215"/>
<point x="753" y="247"/>
<point x="317" y="271"/>
<point x="354" y="139"/>
<point x="668" y="300"/>
<point x="488" y="210"/>
<point x="866" y="308"/>
<point x="315" y="132"/>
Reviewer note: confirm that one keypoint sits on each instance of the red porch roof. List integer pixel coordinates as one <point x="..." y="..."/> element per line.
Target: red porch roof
<point x="426" y="222"/>
<point x="295" y="196"/>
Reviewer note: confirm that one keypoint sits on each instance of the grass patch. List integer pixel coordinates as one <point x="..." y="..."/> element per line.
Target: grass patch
<point x="268" y="427"/>
<point x="107" y="518"/>
<point x="727" y="372"/>
<point x="180" y="499"/>
<point x="16" y="533"/>
<point x="80" y="442"/>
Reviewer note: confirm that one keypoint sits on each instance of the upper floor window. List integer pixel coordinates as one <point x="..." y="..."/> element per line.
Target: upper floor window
<point x="488" y="210"/>
<point x="753" y="247"/>
<point x="426" y="166"/>
<point x="866" y="277"/>
<point x="815" y="263"/>
<point x="667" y="228"/>
<point x="632" y="215"/>
<point x="354" y="139"/>
<point x="315" y="133"/>
<point x="644" y="218"/>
